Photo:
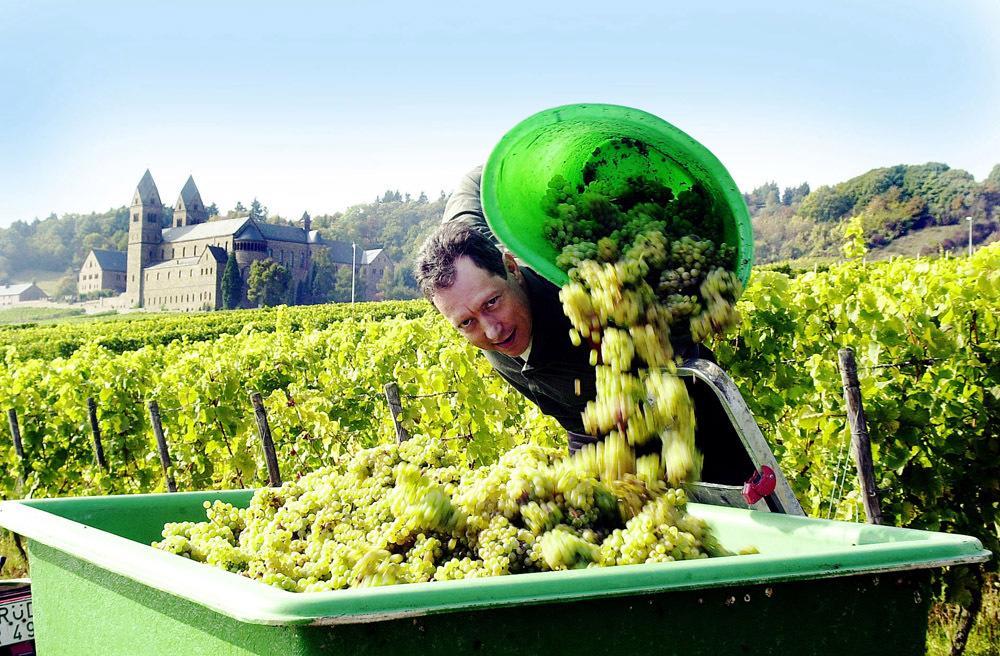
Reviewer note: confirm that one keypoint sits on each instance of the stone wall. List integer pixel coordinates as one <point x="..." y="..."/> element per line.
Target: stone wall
<point x="186" y="287"/>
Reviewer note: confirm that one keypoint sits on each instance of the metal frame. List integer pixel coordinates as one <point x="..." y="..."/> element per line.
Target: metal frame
<point x="782" y="499"/>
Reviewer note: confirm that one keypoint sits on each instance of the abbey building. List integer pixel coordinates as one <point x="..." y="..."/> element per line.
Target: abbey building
<point x="181" y="267"/>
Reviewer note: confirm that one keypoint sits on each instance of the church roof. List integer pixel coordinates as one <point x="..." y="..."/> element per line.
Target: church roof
<point x="276" y="232"/>
<point x="242" y="228"/>
<point x="110" y="260"/>
<point x="341" y="252"/>
<point x="221" y="228"/>
<point x="216" y="253"/>
<point x="248" y="232"/>
<point x="189" y="194"/>
<point x="174" y="263"/>
<point x="146" y="193"/>
<point x="15" y="290"/>
<point x="370" y="255"/>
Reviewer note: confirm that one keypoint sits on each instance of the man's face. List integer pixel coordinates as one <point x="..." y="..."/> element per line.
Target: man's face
<point x="491" y="312"/>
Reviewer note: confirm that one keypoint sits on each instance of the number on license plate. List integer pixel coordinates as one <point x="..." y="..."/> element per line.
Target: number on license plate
<point x="16" y="624"/>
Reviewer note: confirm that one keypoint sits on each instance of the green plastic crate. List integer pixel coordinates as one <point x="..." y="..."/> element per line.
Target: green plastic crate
<point x="816" y="586"/>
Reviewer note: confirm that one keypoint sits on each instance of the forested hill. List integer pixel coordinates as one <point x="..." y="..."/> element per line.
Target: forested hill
<point x="904" y="209"/>
<point x="917" y="207"/>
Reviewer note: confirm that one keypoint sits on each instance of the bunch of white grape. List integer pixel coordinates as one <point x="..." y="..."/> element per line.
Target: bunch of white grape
<point x="412" y="513"/>
<point x="652" y="264"/>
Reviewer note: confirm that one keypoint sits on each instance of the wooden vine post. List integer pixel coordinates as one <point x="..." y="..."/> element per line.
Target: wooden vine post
<point x="861" y="447"/>
<point x="396" y="408"/>
<point x="264" y="430"/>
<point x="161" y="444"/>
<point x="95" y="431"/>
<point x="15" y="432"/>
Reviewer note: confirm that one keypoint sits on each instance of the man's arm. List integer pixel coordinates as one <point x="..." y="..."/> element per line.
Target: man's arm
<point x="465" y="204"/>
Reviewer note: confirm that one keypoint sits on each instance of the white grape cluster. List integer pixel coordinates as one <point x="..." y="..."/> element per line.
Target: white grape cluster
<point x="626" y="308"/>
<point x="411" y="513"/>
<point x="639" y="397"/>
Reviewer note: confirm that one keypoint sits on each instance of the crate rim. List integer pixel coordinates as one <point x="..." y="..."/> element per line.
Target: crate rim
<point x="862" y="549"/>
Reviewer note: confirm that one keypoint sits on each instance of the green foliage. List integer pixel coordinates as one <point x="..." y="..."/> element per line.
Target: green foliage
<point x="397" y="225"/>
<point x="854" y="239"/>
<point x="66" y="287"/>
<point x="21" y="315"/>
<point x="343" y="282"/>
<point x="927" y="338"/>
<point x="888" y="216"/>
<point x="322" y="277"/>
<point x="257" y="211"/>
<point x="892" y="201"/>
<point x="321" y="381"/>
<point x="268" y="282"/>
<point x="129" y="332"/>
<point x="58" y="243"/>
<point x="232" y="284"/>
<point x="826" y="204"/>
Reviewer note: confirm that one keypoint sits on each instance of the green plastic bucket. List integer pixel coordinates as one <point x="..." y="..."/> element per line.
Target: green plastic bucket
<point x="570" y="139"/>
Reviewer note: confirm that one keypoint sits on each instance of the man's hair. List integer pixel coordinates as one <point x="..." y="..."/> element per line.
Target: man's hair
<point x="435" y="268"/>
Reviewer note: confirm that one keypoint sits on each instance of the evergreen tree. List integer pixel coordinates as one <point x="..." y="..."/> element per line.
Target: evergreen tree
<point x="257" y="211"/>
<point x="341" y="292"/>
<point x="322" y="278"/>
<point x="268" y="283"/>
<point x="302" y="293"/>
<point x="232" y="284"/>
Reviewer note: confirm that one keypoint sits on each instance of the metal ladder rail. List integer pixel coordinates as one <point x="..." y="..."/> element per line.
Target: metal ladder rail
<point x="783" y="498"/>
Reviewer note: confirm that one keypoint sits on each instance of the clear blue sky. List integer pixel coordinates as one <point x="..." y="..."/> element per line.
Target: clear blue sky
<point x="316" y="106"/>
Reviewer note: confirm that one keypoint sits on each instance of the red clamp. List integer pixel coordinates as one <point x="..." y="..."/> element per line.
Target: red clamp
<point x="759" y="485"/>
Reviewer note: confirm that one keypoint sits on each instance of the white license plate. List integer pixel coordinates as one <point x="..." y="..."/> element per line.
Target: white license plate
<point x="16" y="624"/>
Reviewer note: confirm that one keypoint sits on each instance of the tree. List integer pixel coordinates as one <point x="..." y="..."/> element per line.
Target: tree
<point x="232" y="284"/>
<point x="67" y="286"/>
<point x="826" y="204"/>
<point x="239" y="207"/>
<point x="854" y="239"/>
<point x="322" y="277"/>
<point x="794" y="195"/>
<point x="212" y="210"/>
<point x="257" y="211"/>
<point x="268" y="283"/>
<point x="302" y="293"/>
<point x="342" y="286"/>
<point x="993" y="179"/>
<point x="401" y="285"/>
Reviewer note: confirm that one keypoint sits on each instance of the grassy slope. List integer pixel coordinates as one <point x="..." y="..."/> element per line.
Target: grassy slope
<point x="36" y="314"/>
<point x="47" y="280"/>
<point x="921" y="242"/>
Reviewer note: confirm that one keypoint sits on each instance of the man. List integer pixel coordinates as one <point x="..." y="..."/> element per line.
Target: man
<point x="515" y="317"/>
